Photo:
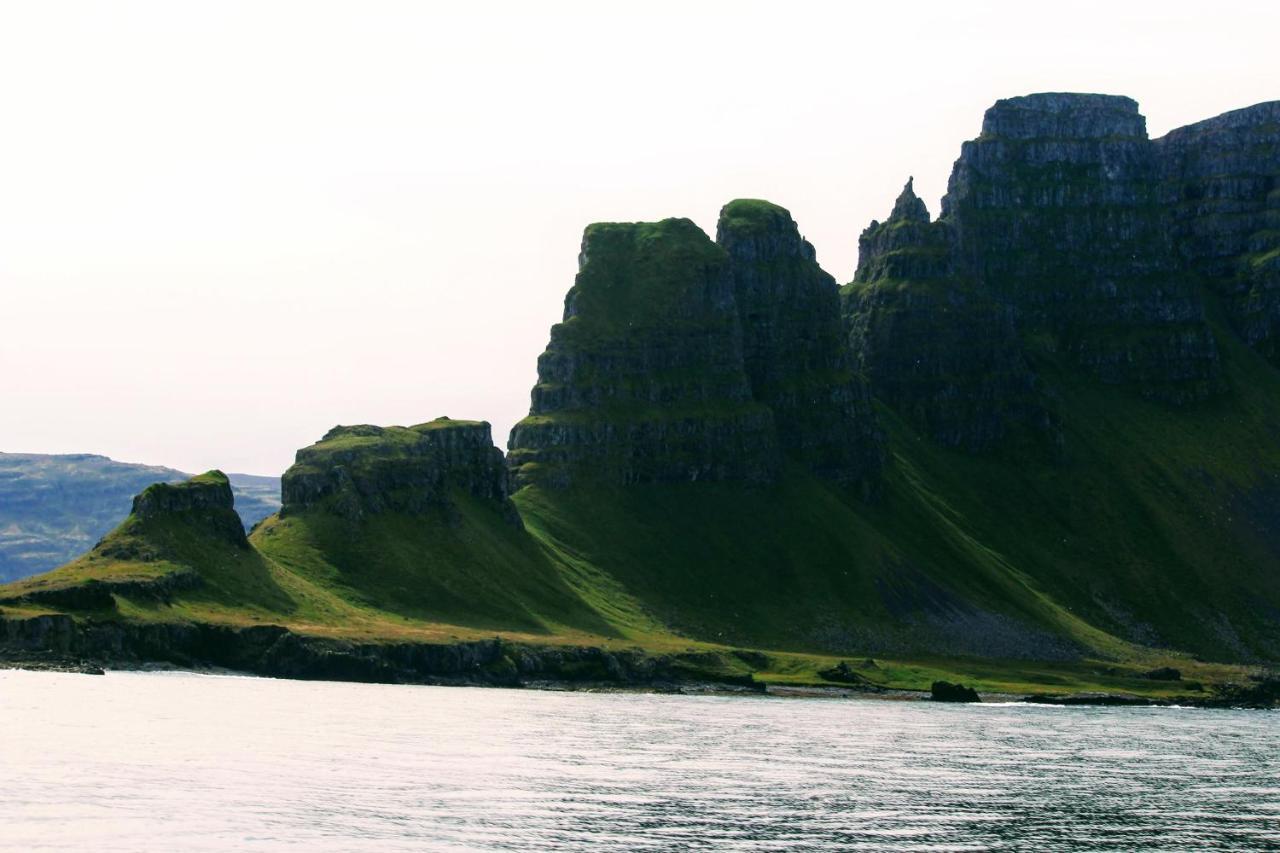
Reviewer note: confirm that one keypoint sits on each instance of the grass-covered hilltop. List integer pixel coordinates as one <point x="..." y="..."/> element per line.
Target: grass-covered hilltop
<point x="55" y="506"/>
<point x="1034" y="447"/>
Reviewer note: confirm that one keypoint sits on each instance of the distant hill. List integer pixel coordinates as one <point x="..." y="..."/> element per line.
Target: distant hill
<point x="55" y="507"/>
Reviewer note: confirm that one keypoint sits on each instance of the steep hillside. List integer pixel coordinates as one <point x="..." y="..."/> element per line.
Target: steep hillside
<point x="1033" y="443"/>
<point x="54" y="507"/>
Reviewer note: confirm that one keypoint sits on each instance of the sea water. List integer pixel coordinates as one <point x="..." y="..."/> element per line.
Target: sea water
<point x="180" y="761"/>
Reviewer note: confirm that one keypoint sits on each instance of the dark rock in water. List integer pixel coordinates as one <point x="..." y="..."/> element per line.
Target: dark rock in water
<point x="205" y="500"/>
<point x="1221" y="180"/>
<point x="359" y="470"/>
<point x="1164" y="673"/>
<point x="945" y="691"/>
<point x="682" y="360"/>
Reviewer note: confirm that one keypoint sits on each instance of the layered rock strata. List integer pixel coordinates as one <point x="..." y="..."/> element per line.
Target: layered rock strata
<point x="936" y="347"/>
<point x="355" y="471"/>
<point x="682" y="360"/>
<point x="1055" y="209"/>
<point x="1066" y="233"/>
<point x="793" y="344"/>
<point x="644" y="379"/>
<point x="205" y="501"/>
<point x="1220" y="178"/>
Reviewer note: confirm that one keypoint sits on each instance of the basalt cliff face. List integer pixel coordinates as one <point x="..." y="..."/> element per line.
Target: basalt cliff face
<point x="1220" y="178"/>
<point x="683" y="360"/>
<point x="1041" y="426"/>
<point x="936" y="345"/>
<point x="1067" y="235"/>
<point x="1055" y="208"/>
<point x="358" y="470"/>
<point x="794" y="351"/>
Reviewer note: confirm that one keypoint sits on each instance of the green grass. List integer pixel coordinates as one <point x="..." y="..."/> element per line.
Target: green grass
<point x="638" y="275"/>
<point x="751" y="215"/>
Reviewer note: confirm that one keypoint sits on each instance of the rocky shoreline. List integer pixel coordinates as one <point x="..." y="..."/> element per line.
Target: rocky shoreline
<point x="60" y="643"/>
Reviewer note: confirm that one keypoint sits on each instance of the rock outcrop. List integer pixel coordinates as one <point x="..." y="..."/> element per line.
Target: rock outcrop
<point x="945" y="691"/>
<point x="644" y="380"/>
<point x="937" y="347"/>
<point x="355" y="471"/>
<point x="793" y="345"/>
<point x="204" y="501"/>
<point x="1221" y="180"/>
<point x="1055" y="209"/>
<point x="682" y="360"/>
<point x="1068" y="235"/>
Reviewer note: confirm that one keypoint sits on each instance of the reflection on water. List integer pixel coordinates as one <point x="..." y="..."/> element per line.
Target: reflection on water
<point x="170" y="761"/>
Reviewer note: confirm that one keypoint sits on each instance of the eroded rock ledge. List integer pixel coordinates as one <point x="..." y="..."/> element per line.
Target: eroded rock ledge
<point x="205" y="500"/>
<point x="680" y="359"/>
<point x="358" y="470"/>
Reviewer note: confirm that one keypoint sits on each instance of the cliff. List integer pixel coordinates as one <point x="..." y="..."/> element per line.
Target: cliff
<point x="1055" y="208"/>
<point x="644" y="380"/>
<point x="794" y="352"/>
<point x="1221" y="180"/>
<point x="203" y="502"/>
<point x="937" y="347"/>
<point x="359" y="470"/>
<point x="684" y="360"/>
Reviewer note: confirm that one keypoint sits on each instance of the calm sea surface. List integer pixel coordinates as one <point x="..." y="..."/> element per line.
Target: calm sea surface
<point x="168" y="761"/>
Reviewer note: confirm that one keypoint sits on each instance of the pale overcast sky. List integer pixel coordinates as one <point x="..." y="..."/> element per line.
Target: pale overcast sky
<point x="226" y="227"/>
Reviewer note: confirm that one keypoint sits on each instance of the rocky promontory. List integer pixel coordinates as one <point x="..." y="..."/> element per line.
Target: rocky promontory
<point x="680" y="359"/>
<point x="359" y="470"/>
<point x="725" y="452"/>
<point x="205" y="500"/>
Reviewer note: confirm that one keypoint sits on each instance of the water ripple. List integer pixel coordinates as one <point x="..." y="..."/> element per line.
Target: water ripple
<point x="169" y="761"/>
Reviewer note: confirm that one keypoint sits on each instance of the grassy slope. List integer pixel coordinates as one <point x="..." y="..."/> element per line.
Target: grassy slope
<point x="1144" y="522"/>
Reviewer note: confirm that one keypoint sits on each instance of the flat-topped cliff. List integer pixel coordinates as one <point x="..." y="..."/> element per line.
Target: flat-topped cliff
<point x="1055" y="208"/>
<point x="358" y="470"/>
<point x="680" y="359"/>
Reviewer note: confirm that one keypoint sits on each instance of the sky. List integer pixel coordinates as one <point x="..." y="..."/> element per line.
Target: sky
<point x="226" y="227"/>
